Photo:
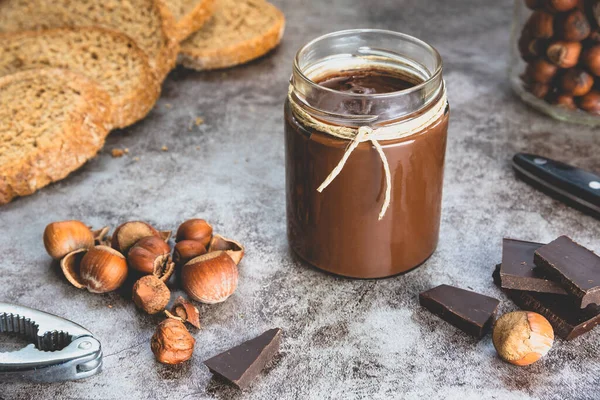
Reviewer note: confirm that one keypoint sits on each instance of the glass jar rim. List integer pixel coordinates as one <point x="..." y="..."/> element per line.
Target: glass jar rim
<point x="434" y="75"/>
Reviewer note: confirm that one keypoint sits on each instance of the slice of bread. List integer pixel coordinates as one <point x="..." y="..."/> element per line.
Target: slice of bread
<point x="51" y="122"/>
<point x="148" y="22"/>
<point x="110" y="58"/>
<point x="239" y="31"/>
<point x="189" y="15"/>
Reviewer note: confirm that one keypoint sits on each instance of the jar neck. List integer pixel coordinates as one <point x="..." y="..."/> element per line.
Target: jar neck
<point x="358" y="50"/>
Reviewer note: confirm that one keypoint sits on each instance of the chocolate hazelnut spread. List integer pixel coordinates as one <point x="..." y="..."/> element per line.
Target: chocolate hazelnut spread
<point x="366" y="121"/>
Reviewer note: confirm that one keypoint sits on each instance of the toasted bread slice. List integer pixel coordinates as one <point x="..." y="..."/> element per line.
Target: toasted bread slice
<point x="51" y="122"/>
<point x="189" y="15"/>
<point x="110" y="58"/>
<point x="148" y="22"/>
<point x="239" y="31"/>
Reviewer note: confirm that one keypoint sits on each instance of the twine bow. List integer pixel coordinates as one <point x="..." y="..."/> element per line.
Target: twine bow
<point x="368" y="134"/>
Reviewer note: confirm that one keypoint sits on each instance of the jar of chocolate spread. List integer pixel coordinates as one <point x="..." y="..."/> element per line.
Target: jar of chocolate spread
<point x="366" y="121"/>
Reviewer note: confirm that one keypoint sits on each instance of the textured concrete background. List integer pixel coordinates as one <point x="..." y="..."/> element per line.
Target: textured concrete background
<point x="343" y="339"/>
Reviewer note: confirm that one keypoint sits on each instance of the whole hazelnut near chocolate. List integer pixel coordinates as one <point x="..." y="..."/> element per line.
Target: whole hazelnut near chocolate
<point x="522" y="337"/>
<point x="562" y="5"/>
<point x="210" y="278"/>
<point x="151" y="255"/>
<point x="195" y="229"/>
<point x="590" y="102"/>
<point x="61" y="238"/>
<point x="564" y="54"/>
<point x="103" y="269"/>
<point x="591" y="59"/>
<point x="151" y="294"/>
<point x="128" y="234"/>
<point x="541" y="71"/>
<point x="574" y="26"/>
<point x="234" y="249"/>
<point x="541" y="24"/>
<point x="185" y="250"/>
<point x="172" y="343"/>
<point x="576" y="82"/>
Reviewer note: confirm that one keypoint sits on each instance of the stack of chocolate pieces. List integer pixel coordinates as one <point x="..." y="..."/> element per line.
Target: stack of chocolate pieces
<point x="560" y="280"/>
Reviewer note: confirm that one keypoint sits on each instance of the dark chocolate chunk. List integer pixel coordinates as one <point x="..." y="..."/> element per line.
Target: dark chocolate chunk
<point x="567" y="319"/>
<point x="469" y="311"/>
<point x="575" y="267"/>
<point x="518" y="270"/>
<point x="241" y="364"/>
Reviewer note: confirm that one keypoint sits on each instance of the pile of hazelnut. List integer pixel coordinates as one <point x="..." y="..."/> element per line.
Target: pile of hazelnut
<point x="561" y="44"/>
<point x="207" y="265"/>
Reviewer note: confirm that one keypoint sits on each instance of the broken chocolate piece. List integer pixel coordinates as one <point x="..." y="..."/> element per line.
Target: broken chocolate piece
<point x="575" y="267"/>
<point x="518" y="270"/>
<point x="241" y="364"/>
<point x="567" y="319"/>
<point x="469" y="311"/>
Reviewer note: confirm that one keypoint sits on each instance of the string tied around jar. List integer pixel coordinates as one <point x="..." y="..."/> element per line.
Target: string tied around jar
<point x="362" y="134"/>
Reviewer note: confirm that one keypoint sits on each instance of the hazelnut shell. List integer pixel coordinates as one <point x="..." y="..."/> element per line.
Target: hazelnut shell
<point x="147" y="254"/>
<point x="70" y="266"/>
<point x="186" y="311"/>
<point x="126" y="235"/>
<point x="234" y="249"/>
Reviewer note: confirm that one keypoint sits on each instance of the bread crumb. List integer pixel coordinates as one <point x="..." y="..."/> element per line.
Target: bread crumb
<point x="164" y="148"/>
<point x="136" y="159"/>
<point x="126" y="150"/>
<point x="169" y="106"/>
<point x="199" y="121"/>
<point x="110" y="306"/>
<point x="116" y="153"/>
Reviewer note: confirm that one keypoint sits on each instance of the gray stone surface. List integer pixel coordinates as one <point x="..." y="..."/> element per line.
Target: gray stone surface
<point x="343" y="338"/>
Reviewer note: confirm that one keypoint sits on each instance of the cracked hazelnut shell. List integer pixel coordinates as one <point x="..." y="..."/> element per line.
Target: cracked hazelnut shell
<point x="210" y="278"/>
<point x="234" y="249"/>
<point x="151" y="294"/>
<point x="103" y="269"/>
<point x="522" y="337"/>
<point x="128" y="234"/>
<point x="195" y="229"/>
<point x="172" y="343"/>
<point x="186" y="311"/>
<point x="63" y="237"/>
<point x="70" y="266"/>
<point x="151" y="255"/>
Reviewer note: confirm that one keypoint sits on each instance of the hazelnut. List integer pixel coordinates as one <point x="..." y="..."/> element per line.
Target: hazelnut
<point x="70" y="266"/>
<point x="590" y="102"/>
<point x="541" y="71"/>
<point x="594" y="37"/>
<point x="210" y="278"/>
<point x="562" y="5"/>
<point x="61" y="238"/>
<point x="564" y="101"/>
<point x="195" y="229"/>
<point x="186" y="311"/>
<point x="539" y="90"/>
<point x="522" y="337"/>
<point x="185" y="250"/>
<point x="574" y="26"/>
<point x="231" y="247"/>
<point x="576" y="82"/>
<point x="541" y="25"/>
<point x="127" y="234"/>
<point x="531" y="48"/>
<point x="151" y="294"/>
<point x="172" y="343"/>
<point x="591" y="59"/>
<point x="151" y="255"/>
<point x="102" y="269"/>
<point x="564" y="54"/>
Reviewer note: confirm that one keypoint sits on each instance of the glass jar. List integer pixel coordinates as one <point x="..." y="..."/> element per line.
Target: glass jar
<point x="553" y="67"/>
<point x="346" y="228"/>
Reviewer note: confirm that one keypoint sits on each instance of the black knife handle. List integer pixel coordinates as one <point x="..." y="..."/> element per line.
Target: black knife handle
<point x="572" y="185"/>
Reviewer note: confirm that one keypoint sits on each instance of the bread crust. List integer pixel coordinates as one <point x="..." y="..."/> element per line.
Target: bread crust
<point x="81" y="135"/>
<point x="195" y="19"/>
<point x="168" y="54"/>
<point x="235" y="54"/>
<point x="128" y="107"/>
